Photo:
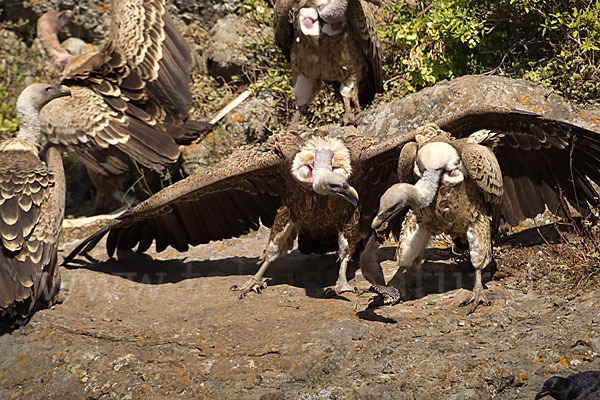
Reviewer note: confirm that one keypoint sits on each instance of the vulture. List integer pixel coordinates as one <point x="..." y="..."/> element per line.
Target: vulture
<point x="129" y="101"/>
<point x="580" y="386"/>
<point x="323" y="187"/>
<point x="32" y="203"/>
<point x="334" y="41"/>
<point x="512" y="172"/>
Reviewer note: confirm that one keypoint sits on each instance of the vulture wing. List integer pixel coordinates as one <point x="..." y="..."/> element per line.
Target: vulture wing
<point x="482" y="166"/>
<point x="361" y="16"/>
<point x="130" y="99"/>
<point x="224" y="201"/>
<point x="31" y="208"/>
<point x="375" y="170"/>
<point x="540" y="159"/>
<point x="283" y="27"/>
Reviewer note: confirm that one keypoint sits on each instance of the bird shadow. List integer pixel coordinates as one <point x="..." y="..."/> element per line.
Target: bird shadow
<point x="312" y="272"/>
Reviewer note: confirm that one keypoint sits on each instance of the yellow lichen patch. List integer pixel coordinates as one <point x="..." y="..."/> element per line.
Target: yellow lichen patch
<point x="223" y="247"/>
<point x="523" y="378"/>
<point x="21" y="358"/>
<point x="539" y="360"/>
<point x="537" y="109"/>
<point x="563" y="361"/>
<point x="238" y="118"/>
<point x="524" y="100"/>
<point x="585" y="358"/>
<point x="140" y="339"/>
<point x="3" y="377"/>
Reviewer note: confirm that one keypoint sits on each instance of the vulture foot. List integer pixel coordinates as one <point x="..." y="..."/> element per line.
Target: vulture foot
<point x="339" y="288"/>
<point x="390" y="295"/>
<point x="252" y="285"/>
<point x="476" y="298"/>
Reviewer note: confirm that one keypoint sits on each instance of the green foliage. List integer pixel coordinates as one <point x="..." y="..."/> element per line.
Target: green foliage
<point x="554" y="43"/>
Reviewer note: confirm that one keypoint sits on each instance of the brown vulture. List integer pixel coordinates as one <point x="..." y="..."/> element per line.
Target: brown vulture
<point x="32" y="204"/>
<point x="334" y="41"/>
<point x="129" y="101"/>
<point x="488" y="175"/>
<point x="304" y="185"/>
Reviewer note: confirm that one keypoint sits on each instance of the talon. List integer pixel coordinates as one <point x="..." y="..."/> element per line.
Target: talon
<point x="252" y="284"/>
<point x="390" y="295"/>
<point x="476" y="298"/>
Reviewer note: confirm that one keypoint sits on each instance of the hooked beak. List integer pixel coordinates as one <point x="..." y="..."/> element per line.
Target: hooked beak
<point x="542" y="393"/>
<point x="350" y="194"/>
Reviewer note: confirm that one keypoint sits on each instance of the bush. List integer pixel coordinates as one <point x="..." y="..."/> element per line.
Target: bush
<point x="553" y="43"/>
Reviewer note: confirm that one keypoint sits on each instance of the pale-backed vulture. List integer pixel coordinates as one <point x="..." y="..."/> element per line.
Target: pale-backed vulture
<point x="32" y="203"/>
<point x="281" y="185"/>
<point x="330" y="40"/>
<point x="487" y="176"/>
<point x="129" y="100"/>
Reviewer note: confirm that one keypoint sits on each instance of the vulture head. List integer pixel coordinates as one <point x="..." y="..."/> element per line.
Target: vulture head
<point x="324" y="164"/>
<point x="557" y="387"/>
<point x="400" y="195"/>
<point x="30" y="102"/>
<point x="48" y="26"/>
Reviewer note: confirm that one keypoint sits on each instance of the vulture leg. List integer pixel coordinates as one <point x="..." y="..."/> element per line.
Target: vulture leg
<point x="414" y="238"/>
<point x="350" y="95"/>
<point x="281" y="240"/>
<point x="304" y="90"/>
<point x="480" y="249"/>
<point x="347" y="240"/>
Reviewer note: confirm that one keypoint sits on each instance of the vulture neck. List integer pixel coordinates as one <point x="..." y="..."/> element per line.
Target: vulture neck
<point x="425" y="189"/>
<point x="47" y="32"/>
<point x="333" y="11"/>
<point x="28" y="114"/>
<point x="322" y="169"/>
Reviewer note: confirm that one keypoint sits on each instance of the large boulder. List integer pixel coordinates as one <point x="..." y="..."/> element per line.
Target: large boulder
<point x="226" y="55"/>
<point x="402" y="115"/>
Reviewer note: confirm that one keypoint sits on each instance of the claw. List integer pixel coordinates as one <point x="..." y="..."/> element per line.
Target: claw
<point x="390" y="295"/>
<point x="475" y="299"/>
<point x="253" y="284"/>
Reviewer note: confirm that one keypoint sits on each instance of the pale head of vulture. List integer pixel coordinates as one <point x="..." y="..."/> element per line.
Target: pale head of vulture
<point x="30" y="102"/>
<point x="400" y="195"/>
<point x="436" y="155"/>
<point x="324" y="163"/>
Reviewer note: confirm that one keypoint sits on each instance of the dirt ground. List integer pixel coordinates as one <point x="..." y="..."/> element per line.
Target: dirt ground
<point x="166" y="326"/>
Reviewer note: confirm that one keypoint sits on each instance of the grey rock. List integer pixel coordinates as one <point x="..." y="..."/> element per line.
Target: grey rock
<point x="225" y="55"/>
<point x="402" y="115"/>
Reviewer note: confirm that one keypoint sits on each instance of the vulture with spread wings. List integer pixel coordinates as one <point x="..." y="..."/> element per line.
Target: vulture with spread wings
<point x="509" y="173"/>
<point x="129" y="100"/>
<point x="307" y="186"/>
<point x="334" y="41"/>
<point x="32" y="204"/>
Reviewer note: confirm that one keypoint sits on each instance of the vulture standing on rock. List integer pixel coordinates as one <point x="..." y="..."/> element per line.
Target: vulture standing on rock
<point x="305" y="186"/>
<point x="512" y="172"/>
<point x="330" y="40"/>
<point x="129" y="101"/>
<point x="32" y="204"/>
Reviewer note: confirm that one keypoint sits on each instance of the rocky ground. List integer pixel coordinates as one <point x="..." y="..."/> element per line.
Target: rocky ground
<point x="166" y="326"/>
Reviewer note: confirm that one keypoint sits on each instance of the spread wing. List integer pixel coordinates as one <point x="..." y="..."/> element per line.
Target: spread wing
<point x="283" y="28"/>
<point x="375" y="170"/>
<point x="130" y="99"/>
<point x="540" y="158"/>
<point x="224" y="201"/>
<point x="361" y="16"/>
<point x="32" y="209"/>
